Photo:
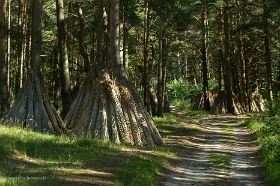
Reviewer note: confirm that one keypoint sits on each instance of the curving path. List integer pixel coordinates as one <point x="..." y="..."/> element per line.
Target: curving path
<point x="210" y="142"/>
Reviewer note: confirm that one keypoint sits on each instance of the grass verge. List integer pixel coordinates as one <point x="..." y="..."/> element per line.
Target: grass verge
<point x="29" y="158"/>
<point x="267" y="130"/>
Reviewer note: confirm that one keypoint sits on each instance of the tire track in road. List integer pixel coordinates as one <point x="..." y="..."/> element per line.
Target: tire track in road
<point x="192" y="165"/>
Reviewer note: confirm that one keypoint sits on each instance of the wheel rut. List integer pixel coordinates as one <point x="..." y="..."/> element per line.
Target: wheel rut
<point x="218" y="152"/>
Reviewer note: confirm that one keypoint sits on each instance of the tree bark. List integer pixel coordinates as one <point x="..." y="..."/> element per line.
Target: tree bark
<point x="146" y="74"/>
<point x="160" y="89"/>
<point x="63" y="59"/>
<point x="20" y="46"/>
<point x="267" y="55"/>
<point x="36" y="42"/>
<point x="99" y="38"/>
<point x="8" y="45"/>
<point x="204" y="59"/>
<point x="4" y="95"/>
<point x="82" y="50"/>
<point x="107" y="106"/>
<point x="115" y="34"/>
<point x="32" y="108"/>
<point x="227" y="80"/>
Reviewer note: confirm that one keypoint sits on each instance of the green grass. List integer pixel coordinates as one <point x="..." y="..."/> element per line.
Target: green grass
<point x="227" y="128"/>
<point x="220" y="162"/>
<point x="185" y="105"/>
<point x="267" y="130"/>
<point x="29" y="158"/>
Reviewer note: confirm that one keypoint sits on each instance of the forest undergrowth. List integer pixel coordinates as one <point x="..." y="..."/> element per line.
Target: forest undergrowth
<point x="267" y="130"/>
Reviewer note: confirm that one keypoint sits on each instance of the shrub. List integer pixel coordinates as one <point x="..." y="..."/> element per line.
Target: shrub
<point x="180" y="89"/>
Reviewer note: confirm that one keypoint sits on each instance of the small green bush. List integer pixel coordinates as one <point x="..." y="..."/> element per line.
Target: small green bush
<point x="180" y="89"/>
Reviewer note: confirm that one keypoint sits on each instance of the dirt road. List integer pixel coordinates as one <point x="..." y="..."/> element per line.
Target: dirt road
<point x="216" y="152"/>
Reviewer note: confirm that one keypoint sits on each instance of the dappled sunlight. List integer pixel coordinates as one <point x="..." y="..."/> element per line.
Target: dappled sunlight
<point x="217" y="152"/>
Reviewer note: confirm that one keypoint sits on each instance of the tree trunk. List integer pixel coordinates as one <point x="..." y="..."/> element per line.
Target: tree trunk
<point x="146" y="73"/>
<point x="246" y="65"/>
<point x="161" y="72"/>
<point x="267" y="55"/>
<point x="32" y="108"/>
<point x="204" y="59"/>
<point x="227" y="75"/>
<point x="107" y="106"/>
<point x="220" y="51"/>
<point x="278" y="65"/>
<point x="241" y="58"/>
<point x="8" y="45"/>
<point x="36" y="41"/>
<point x="63" y="59"/>
<point x="4" y="95"/>
<point x="99" y="38"/>
<point x="164" y="61"/>
<point x="20" y="46"/>
<point x="115" y="35"/>
<point x="82" y="50"/>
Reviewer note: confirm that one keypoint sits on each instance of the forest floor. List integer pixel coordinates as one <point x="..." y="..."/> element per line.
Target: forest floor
<point x="212" y="151"/>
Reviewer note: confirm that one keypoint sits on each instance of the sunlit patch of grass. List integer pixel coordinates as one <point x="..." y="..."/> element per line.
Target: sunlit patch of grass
<point x="253" y="124"/>
<point x="197" y="113"/>
<point x="220" y="162"/>
<point x="183" y="104"/>
<point x="227" y="128"/>
<point x="167" y="119"/>
<point x="167" y="124"/>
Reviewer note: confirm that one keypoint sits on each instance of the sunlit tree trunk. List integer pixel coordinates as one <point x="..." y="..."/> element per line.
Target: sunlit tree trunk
<point x="115" y="34"/>
<point x="146" y="74"/>
<point x="160" y="90"/>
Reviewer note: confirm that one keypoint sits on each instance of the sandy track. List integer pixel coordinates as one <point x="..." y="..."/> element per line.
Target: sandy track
<point x="209" y="137"/>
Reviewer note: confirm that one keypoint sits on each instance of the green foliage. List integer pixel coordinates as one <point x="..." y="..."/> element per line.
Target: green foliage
<point x="180" y="89"/>
<point x="276" y="104"/>
<point x="139" y="171"/>
<point x="227" y="128"/>
<point x="185" y="105"/>
<point x="267" y="130"/>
